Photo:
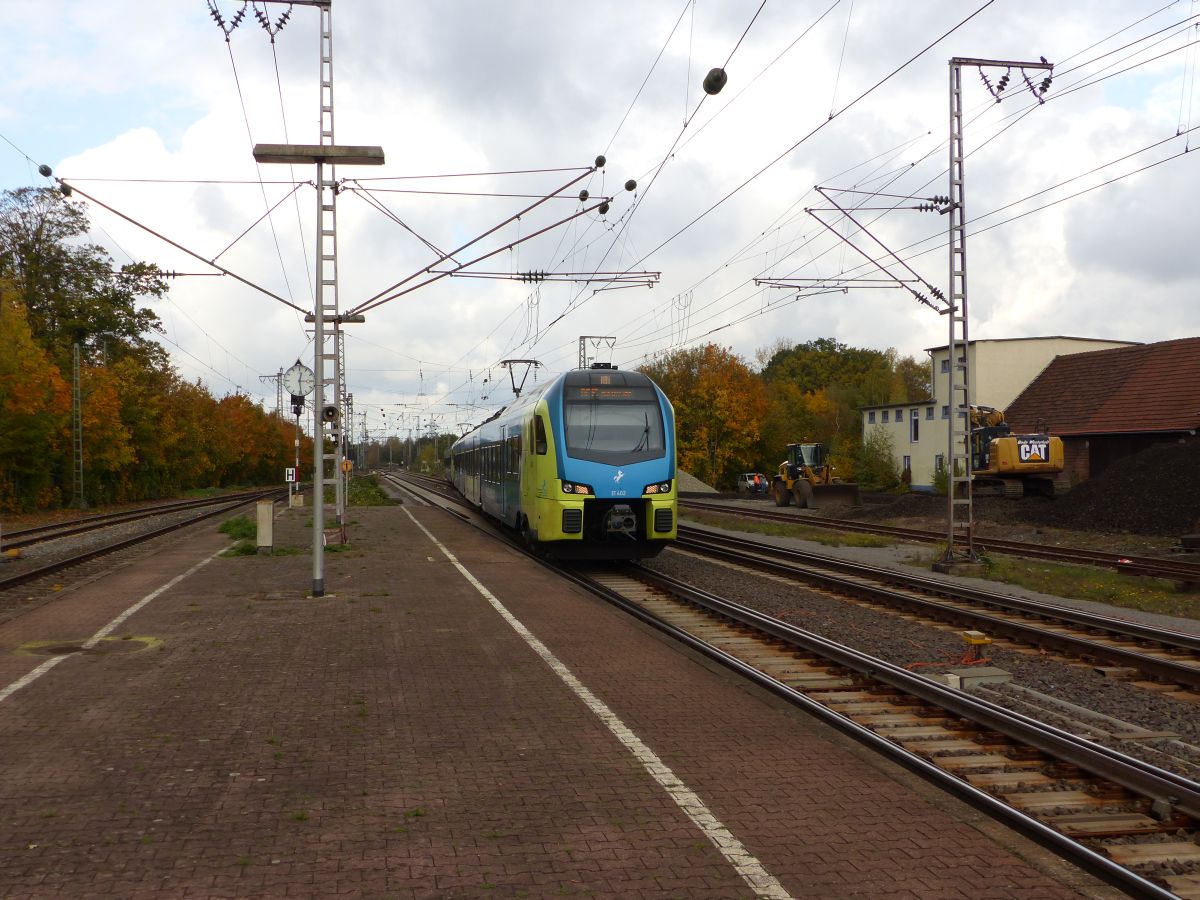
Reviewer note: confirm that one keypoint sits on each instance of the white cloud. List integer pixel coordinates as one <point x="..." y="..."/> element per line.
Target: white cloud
<point x="135" y="92"/>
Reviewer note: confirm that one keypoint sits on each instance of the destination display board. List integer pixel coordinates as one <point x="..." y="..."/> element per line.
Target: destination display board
<point x="608" y="393"/>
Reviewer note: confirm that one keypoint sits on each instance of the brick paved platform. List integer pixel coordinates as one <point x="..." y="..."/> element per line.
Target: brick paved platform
<point x="397" y="738"/>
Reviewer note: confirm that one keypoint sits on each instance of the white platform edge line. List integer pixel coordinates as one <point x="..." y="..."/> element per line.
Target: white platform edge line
<point x="30" y="677"/>
<point x="747" y="866"/>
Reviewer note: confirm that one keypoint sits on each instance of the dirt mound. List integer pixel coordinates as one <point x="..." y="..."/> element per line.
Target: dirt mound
<point x="1156" y="491"/>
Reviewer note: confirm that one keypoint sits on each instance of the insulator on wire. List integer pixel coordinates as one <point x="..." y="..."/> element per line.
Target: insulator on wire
<point x="602" y="208"/>
<point x="714" y="81"/>
<point x="45" y="171"/>
<point x="600" y="161"/>
<point x="631" y="185"/>
<point x="583" y="195"/>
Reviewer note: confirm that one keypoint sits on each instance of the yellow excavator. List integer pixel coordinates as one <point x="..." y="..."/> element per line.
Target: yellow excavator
<point x="1012" y="465"/>
<point x="806" y="477"/>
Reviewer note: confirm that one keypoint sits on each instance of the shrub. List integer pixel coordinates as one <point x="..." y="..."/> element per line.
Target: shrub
<point x="875" y="463"/>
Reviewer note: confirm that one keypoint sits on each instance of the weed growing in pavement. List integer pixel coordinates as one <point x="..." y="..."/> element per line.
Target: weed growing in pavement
<point x="799" y="531"/>
<point x="243" y="861"/>
<point x="415" y="813"/>
<point x="365" y="491"/>
<point x="242" y="548"/>
<point x="300" y="816"/>
<point x="240" y="528"/>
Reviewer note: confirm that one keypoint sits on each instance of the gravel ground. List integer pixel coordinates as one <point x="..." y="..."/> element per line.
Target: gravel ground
<point x="904" y="642"/>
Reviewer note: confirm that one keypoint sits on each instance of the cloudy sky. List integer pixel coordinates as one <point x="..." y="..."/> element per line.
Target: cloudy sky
<point x="1084" y="209"/>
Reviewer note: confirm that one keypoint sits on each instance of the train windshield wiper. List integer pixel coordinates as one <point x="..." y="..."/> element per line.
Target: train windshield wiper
<point x="644" y="443"/>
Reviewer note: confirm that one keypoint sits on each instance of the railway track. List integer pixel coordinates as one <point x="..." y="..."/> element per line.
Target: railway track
<point x="1160" y="656"/>
<point x="1135" y="824"/>
<point x="208" y="509"/>
<point x="1131" y="823"/>
<point x="1181" y="570"/>
<point x="27" y="537"/>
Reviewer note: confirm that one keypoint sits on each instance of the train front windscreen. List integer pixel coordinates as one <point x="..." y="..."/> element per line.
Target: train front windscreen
<point x="617" y="425"/>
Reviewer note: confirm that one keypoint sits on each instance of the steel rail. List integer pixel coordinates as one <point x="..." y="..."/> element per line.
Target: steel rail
<point x="769" y="556"/>
<point x="50" y="568"/>
<point x="25" y="537"/>
<point x="1172" y="791"/>
<point x="1141" y="778"/>
<point x="1123" y="562"/>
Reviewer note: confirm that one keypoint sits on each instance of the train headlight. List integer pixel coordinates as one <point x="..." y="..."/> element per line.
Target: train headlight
<point x="573" y="487"/>
<point x="659" y="487"/>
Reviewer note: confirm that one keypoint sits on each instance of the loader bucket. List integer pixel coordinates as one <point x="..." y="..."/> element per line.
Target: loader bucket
<point x="837" y="494"/>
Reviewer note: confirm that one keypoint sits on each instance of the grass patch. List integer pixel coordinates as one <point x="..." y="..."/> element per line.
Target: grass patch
<point x="1153" y="595"/>
<point x="824" y="536"/>
<point x="365" y="491"/>
<point x="243" y="548"/>
<point x="240" y="528"/>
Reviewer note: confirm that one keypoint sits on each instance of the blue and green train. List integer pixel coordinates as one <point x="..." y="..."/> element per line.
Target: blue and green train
<point x="582" y="466"/>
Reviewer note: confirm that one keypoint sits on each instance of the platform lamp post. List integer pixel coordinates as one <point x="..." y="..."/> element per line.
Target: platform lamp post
<point x="325" y="312"/>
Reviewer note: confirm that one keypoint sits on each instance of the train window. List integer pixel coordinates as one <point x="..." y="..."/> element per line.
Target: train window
<point x="614" y="432"/>
<point x="539" y="436"/>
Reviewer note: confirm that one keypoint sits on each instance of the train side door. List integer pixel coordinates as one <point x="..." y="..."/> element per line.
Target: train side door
<point x="502" y="474"/>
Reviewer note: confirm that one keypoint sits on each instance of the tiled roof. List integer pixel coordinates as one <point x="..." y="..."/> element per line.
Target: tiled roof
<point x="1145" y="388"/>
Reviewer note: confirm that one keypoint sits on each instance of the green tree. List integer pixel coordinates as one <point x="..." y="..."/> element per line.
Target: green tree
<point x="719" y="407"/>
<point x="71" y="290"/>
<point x="875" y="463"/>
<point x="35" y="409"/>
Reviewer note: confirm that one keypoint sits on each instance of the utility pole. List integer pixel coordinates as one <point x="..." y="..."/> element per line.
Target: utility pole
<point x="597" y="342"/>
<point x="277" y="378"/>
<point x="960" y="543"/>
<point x="329" y="422"/>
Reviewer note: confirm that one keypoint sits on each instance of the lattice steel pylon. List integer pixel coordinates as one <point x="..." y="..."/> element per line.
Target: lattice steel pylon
<point x="77" y="499"/>
<point x="960" y="544"/>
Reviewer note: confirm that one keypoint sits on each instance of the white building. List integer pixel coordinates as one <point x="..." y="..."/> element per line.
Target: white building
<point x="999" y="370"/>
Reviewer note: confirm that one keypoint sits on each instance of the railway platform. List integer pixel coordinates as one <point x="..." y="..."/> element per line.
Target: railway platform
<point x="451" y="720"/>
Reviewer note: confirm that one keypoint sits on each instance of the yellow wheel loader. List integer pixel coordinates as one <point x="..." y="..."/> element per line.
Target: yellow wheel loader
<point x="807" y="478"/>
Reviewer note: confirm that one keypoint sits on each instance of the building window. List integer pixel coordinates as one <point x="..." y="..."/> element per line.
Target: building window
<point x="908" y="464"/>
<point x="945" y="412"/>
<point x="929" y="413"/>
<point x="899" y="416"/>
<point x="914" y="426"/>
<point x="885" y="417"/>
<point x="939" y="462"/>
<point x="945" y="365"/>
<point x="871" y="417"/>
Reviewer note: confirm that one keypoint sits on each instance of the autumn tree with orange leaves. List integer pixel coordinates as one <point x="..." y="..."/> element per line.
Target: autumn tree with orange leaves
<point x="146" y="433"/>
<point x="719" y="406"/>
